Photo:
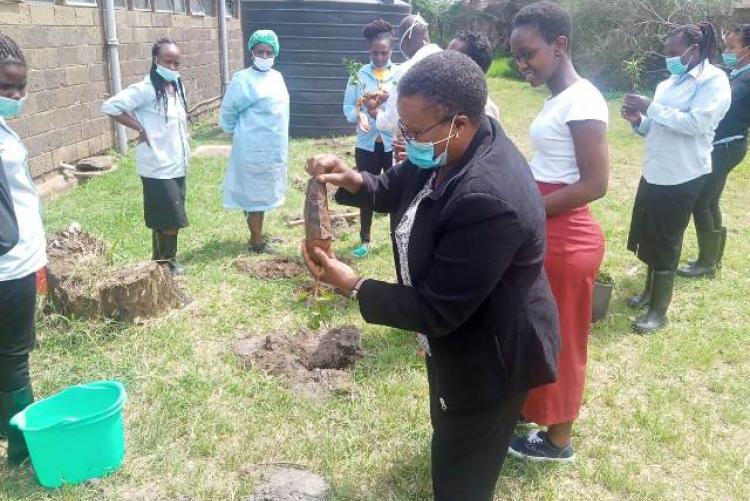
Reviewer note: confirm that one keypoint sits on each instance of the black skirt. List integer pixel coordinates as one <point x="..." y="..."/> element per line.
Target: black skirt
<point x="164" y="203"/>
<point x="17" y="305"/>
<point x="660" y="216"/>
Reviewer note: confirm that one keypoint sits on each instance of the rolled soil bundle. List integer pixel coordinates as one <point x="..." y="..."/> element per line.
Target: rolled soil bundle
<point x="318" y="229"/>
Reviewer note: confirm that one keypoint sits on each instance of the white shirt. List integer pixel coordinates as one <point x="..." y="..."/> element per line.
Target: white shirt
<point x="388" y="118"/>
<point x="169" y="151"/>
<point x="554" y="159"/>
<point x="30" y="253"/>
<point x="680" y="123"/>
<point x="491" y="109"/>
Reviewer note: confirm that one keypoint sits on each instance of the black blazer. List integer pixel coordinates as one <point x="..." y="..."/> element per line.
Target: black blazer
<point x="476" y="257"/>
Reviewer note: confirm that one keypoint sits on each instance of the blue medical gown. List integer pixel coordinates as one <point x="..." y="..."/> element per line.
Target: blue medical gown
<point x="255" y="110"/>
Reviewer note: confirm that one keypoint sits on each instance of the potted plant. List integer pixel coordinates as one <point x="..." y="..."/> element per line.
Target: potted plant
<point x="603" y="288"/>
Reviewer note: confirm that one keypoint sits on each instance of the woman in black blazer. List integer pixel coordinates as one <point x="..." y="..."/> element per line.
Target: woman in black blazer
<point x="469" y="239"/>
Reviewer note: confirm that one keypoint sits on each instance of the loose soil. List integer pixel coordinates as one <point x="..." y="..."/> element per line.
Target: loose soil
<point x="291" y="484"/>
<point x="306" y="362"/>
<point x="273" y="268"/>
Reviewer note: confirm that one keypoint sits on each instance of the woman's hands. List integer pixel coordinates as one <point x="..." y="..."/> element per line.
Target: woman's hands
<point x="330" y="270"/>
<point x="363" y="122"/>
<point x="328" y="168"/>
<point x="634" y="104"/>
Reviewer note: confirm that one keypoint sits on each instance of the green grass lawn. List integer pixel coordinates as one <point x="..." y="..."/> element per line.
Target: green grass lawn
<point x="665" y="416"/>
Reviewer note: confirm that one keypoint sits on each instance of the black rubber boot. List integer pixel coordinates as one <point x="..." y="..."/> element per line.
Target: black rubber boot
<point x="167" y="246"/>
<point x="11" y="404"/>
<point x="662" y="287"/>
<point x="643" y="299"/>
<point x="154" y="245"/>
<point x="722" y="244"/>
<point x="709" y="245"/>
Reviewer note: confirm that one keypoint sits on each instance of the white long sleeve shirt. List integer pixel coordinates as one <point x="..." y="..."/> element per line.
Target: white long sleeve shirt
<point x="29" y="254"/>
<point x="167" y="155"/>
<point x="680" y="123"/>
<point x="388" y="118"/>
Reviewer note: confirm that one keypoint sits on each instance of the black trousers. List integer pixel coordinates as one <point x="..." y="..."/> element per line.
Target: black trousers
<point x="17" y="334"/>
<point x="469" y="447"/>
<point x="373" y="162"/>
<point x="725" y="157"/>
<point x="660" y="217"/>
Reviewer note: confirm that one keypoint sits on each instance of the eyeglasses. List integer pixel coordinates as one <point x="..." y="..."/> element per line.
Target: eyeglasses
<point x="409" y="136"/>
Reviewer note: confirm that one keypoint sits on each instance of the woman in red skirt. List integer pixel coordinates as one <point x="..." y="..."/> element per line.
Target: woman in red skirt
<point x="570" y="165"/>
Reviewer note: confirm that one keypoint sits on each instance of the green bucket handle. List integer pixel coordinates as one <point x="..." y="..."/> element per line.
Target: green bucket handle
<point x="19" y="420"/>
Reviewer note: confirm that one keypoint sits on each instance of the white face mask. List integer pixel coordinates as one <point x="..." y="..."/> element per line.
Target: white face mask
<point x="263" y="64"/>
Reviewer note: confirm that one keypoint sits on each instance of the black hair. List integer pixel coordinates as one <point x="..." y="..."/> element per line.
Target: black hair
<point x="478" y="48"/>
<point x="702" y="34"/>
<point x="377" y="30"/>
<point x="449" y="80"/>
<point x="743" y="30"/>
<point x="10" y="52"/>
<point x="550" y="18"/>
<point x="420" y="26"/>
<point x="158" y="81"/>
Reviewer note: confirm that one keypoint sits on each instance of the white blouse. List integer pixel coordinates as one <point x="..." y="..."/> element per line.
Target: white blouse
<point x="402" y="235"/>
<point x="29" y="254"/>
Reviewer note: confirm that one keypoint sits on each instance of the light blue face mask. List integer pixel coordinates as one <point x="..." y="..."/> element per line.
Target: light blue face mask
<point x="386" y="65"/>
<point x="167" y="74"/>
<point x="11" y="107"/>
<point x="423" y="154"/>
<point x="675" y="66"/>
<point x="730" y="59"/>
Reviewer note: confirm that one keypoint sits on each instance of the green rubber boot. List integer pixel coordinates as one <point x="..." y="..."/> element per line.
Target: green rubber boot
<point x="10" y="405"/>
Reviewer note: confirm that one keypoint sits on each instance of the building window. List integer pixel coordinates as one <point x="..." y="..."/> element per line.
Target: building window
<point x="141" y="4"/>
<point x="78" y="3"/>
<point x="209" y="7"/>
<point x="163" y="5"/>
<point x="179" y="6"/>
<point x="196" y="8"/>
<point x="121" y="4"/>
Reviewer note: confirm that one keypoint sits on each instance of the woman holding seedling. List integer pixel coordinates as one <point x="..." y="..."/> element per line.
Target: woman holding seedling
<point x="366" y="91"/>
<point x="255" y="110"/>
<point x="22" y="252"/>
<point x="156" y="107"/>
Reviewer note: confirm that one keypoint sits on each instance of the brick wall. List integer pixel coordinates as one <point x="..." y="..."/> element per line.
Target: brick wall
<point x="69" y="75"/>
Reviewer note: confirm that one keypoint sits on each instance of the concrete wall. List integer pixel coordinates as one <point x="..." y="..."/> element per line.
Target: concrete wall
<point x="69" y="75"/>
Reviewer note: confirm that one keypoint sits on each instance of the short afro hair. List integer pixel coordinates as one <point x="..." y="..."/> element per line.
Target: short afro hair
<point x="550" y="18"/>
<point x="449" y="80"/>
<point x="478" y="47"/>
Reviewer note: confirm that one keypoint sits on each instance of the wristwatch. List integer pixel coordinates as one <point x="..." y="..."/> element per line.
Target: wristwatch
<point x="355" y="291"/>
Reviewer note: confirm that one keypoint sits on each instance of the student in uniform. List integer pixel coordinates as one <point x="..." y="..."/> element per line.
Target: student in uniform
<point x="730" y="148"/>
<point x="156" y="107"/>
<point x="571" y="168"/>
<point x="255" y="110"/>
<point x="477" y="46"/>
<point x="374" y="148"/>
<point x="22" y="252"/>
<point x="679" y="126"/>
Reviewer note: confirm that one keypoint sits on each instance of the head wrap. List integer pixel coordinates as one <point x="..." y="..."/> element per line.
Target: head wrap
<point x="267" y="37"/>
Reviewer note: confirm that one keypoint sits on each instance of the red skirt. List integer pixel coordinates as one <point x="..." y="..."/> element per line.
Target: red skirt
<point x="575" y="249"/>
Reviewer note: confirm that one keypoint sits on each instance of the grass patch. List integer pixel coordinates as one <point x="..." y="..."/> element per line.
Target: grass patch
<point x="503" y="67"/>
<point x="665" y="416"/>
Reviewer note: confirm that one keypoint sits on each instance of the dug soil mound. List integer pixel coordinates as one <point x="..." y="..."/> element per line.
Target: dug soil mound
<point x="306" y="362"/>
<point x="82" y="284"/>
<point x="281" y="267"/>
